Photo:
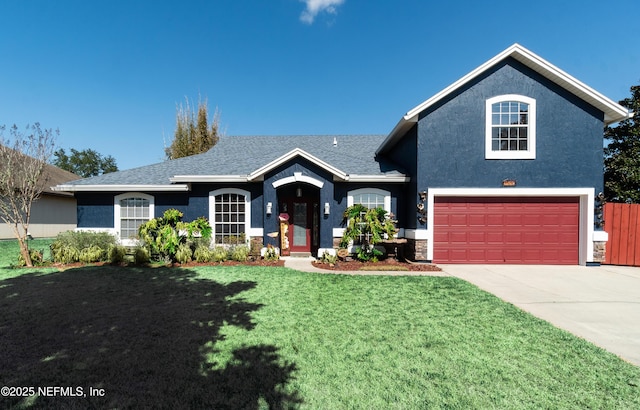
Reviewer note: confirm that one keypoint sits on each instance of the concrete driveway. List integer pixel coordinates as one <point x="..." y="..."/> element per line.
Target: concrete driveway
<point x="600" y="304"/>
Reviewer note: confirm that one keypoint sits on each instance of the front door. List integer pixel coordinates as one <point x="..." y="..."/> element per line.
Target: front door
<point x="303" y="224"/>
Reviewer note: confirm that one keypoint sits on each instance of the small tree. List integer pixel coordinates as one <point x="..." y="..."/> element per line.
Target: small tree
<point x="85" y="163"/>
<point x="23" y="161"/>
<point x="622" y="155"/>
<point x="193" y="134"/>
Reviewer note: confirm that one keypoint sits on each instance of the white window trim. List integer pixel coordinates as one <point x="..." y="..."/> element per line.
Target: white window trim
<point x="386" y="194"/>
<point x="247" y="209"/>
<point x="530" y="153"/>
<point x="116" y="213"/>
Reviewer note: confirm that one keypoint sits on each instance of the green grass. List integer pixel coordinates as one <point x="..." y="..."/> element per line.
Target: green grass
<point x="249" y="337"/>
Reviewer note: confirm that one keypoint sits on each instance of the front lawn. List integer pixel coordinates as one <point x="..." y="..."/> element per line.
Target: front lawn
<point x="250" y="337"/>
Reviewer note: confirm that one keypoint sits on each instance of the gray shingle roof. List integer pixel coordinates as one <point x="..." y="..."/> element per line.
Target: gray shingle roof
<point x="241" y="155"/>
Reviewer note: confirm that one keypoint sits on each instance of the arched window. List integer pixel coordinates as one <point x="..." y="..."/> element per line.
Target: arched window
<point x="230" y="215"/>
<point x="130" y="211"/>
<point x="370" y="197"/>
<point x="510" y="127"/>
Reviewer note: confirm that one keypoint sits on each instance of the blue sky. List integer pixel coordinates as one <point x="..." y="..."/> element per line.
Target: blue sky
<point x="110" y="73"/>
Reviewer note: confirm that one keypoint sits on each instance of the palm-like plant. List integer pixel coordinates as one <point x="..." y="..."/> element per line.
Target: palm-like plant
<point x="367" y="227"/>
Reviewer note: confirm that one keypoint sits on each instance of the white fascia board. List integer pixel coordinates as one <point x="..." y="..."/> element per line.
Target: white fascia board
<point x="378" y="178"/>
<point x="613" y="111"/>
<point x="125" y="188"/>
<point x="297" y="152"/>
<point x="209" y="178"/>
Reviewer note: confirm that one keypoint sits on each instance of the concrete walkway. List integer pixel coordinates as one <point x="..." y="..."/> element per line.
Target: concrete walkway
<point x="598" y="303"/>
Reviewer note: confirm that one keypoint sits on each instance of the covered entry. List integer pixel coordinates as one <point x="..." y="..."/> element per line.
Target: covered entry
<point x="299" y="212"/>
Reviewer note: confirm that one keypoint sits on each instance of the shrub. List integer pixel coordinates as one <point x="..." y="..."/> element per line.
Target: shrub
<point x="86" y="239"/>
<point x="117" y="254"/>
<point x="83" y="246"/>
<point x="91" y="254"/>
<point x="239" y="253"/>
<point x="163" y="236"/>
<point x="184" y="253"/>
<point x="271" y="253"/>
<point x="368" y="227"/>
<point x="328" y="258"/>
<point x="63" y="253"/>
<point x="203" y="254"/>
<point x="219" y="254"/>
<point x="141" y="256"/>
<point x="37" y="258"/>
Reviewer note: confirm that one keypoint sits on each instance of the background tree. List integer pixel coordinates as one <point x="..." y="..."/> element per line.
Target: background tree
<point x="85" y="163"/>
<point x="622" y="155"/>
<point x="193" y="134"/>
<point x="23" y="160"/>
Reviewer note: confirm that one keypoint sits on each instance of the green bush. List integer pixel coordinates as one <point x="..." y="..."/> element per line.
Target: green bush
<point x="366" y="227"/>
<point x="141" y="256"/>
<point x="62" y="253"/>
<point x="239" y="253"/>
<point x="92" y="254"/>
<point x="37" y="258"/>
<point x="271" y="253"/>
<point x="82" y="246"/>
<point x="163" y="236"/>
<point x="117" y="254"/>
<point x="329" y="258"/>
<point x="219" y="254"/>
<point x="184" y="253"/>
<point x="202" y="254"/>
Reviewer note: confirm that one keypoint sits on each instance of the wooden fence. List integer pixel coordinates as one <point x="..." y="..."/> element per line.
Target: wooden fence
<point x="622" y="223"/>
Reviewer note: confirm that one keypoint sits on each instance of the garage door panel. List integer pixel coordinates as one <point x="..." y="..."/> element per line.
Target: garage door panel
<point x="506" y="230"/>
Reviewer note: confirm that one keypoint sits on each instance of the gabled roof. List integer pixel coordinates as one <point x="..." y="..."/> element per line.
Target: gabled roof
<point x="247" y="159"/>
<point x="56" y="176"/>
<point x="613" y="112"/>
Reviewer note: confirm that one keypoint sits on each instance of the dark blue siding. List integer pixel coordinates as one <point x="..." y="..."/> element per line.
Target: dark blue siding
<point x="95" y="210"/>
<point x="405" y="153"/>
<point x="451" y="136"/>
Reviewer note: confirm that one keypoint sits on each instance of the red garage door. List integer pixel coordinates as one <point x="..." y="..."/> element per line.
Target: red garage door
<point x="506" y="230"/>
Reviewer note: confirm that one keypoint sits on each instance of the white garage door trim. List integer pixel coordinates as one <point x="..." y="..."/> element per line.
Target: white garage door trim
<point x="586" y="196"/>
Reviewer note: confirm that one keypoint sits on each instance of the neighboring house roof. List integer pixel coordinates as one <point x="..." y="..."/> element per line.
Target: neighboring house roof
<point x="248" y="158"/>
<point x="613" y="112"/>
<point x="57" y="176"/>
<point x="53" y="176"/>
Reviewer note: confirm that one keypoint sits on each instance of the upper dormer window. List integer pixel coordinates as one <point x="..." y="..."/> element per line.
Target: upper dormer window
<point x="510" y="127"/>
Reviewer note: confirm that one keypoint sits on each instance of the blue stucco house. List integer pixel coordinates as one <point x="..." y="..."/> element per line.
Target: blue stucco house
<point x="503" y="166"/>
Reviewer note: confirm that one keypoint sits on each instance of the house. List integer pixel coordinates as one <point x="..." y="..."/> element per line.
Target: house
<point x="53" y="212"/>
<point x="503" y="166"/>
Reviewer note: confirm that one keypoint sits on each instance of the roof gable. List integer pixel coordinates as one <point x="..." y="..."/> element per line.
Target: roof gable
<point x="297" y="152"/>
<point x="613" y="112"/>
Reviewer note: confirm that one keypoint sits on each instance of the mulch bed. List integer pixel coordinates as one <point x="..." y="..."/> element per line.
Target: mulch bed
<point x="262" y="262"/>
<point x="383" y="265"/>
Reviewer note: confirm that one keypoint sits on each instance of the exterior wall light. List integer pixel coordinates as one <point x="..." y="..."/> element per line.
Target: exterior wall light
<point x="269" y="208"/>
<point x="326" y="208"/>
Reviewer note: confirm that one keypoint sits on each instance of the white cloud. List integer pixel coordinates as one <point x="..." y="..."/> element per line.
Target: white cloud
<point x="316" y="6"/>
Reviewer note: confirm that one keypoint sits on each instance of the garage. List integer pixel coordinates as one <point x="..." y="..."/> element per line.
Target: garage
<point x="516" y="230"/>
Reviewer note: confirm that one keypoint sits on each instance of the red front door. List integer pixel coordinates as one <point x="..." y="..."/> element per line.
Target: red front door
<point x="303" y="224"/>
